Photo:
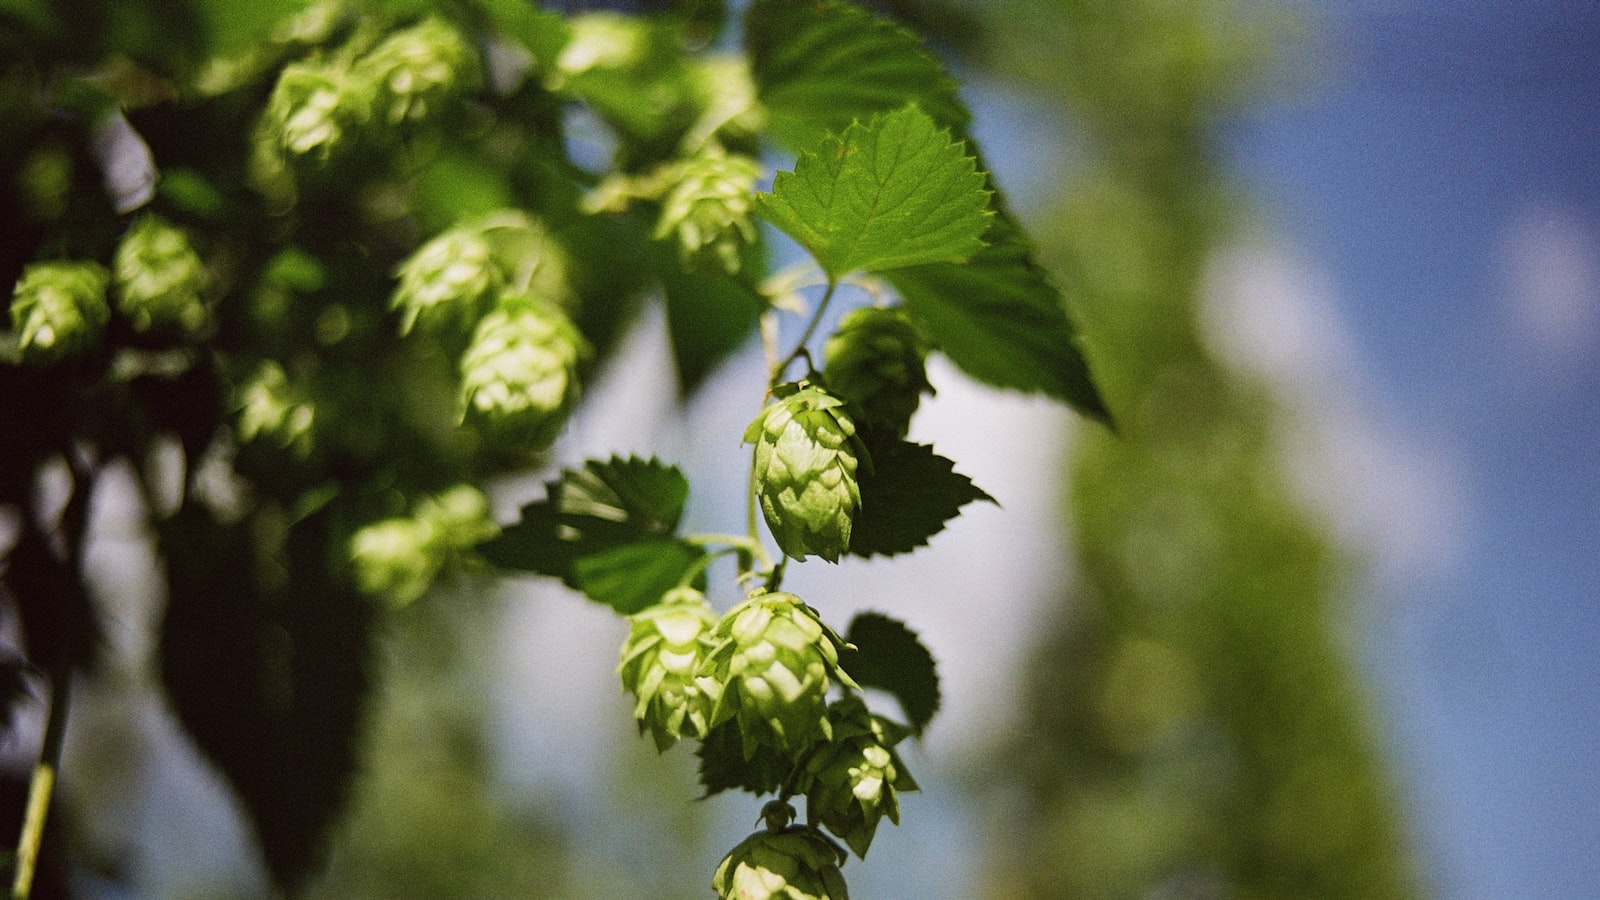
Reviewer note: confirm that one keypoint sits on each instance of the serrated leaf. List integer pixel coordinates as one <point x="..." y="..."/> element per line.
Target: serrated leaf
<point x="889" y="656"/>
<point x="892" y="192"/>
<point x="632" y="576"/>
<point x="907" y="498"/>
<point x="723" y="765"/>
<point x="709" y="315"/>
<point x="1000" y="319"/>
<point x="820" y="66"/>
<point x="605" y="529"/>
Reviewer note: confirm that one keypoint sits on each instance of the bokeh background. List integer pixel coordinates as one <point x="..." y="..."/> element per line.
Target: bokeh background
<point x="1319" y="621"/>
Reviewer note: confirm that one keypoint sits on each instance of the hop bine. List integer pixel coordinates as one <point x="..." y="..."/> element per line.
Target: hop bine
<point x="806" y="455"/>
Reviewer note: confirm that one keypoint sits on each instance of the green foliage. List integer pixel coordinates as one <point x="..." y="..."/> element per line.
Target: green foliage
<point x="370" y="260"/>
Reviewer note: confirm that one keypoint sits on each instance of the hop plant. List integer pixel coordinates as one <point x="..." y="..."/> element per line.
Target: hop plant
<point x="160" y="279"/>
<point x="400" y="558"/>
<point x="417" y="70"/>
<point x="774" y="661"/>
<point x="314" y="109"/>
<point x="519" y="375"/>
<point x="853" y="781"/>
<point x="710" y="205"/>
<point x="660" y="661"/>
<point x="806" y="455"/>
<point x="446" y="281"/>
<point x="794" y="863"/>
<point x="875" y="359"/>
<point x="59" y="310"/>
<point x="270" y="407"/>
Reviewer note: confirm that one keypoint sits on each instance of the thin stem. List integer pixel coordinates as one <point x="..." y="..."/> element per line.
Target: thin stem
<point x="811" y="328"/>
<point x="42" y="787"/>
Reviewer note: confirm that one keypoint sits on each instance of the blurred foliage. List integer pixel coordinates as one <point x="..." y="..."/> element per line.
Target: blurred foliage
<point x="1195" y="726"/>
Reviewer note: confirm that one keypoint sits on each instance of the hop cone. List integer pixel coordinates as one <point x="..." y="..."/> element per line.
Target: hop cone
<point x="397" y="559"/>
<point x="160" y="278"/>
<point x="792" y="864"/>
<point x="853" y="781"/>
<point x="519" y="376"/>
<point x="314" y="108"/>
<point x="710" y="207"/>
<point x="660" y="659"/>
<point x="58" y="310"/>
<point x="774" y="660"/>
<point x="270" y="407"/>
<point x="416" y="70"/>
<point x="875" y="359"/>
<point x="447" y="280"/>
<point x="805" y="471"/>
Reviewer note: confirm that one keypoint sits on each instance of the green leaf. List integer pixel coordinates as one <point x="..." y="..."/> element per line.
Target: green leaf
<point x="723" y="765"/>
<point x="607" y="530"/>
<point x="632" y="576"/>
<point x="820" y="66"/>
<point x="890" y="657"/>
<point x="709" y="315"/>
<point x="893" y="192"/>
<point x="907" y="498"/>
<point x="1001" y="320"/>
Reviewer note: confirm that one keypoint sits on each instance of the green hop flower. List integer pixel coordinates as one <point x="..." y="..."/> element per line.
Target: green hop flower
<point x="160" y="279"/>
<point x="710" y="206"/>
<point x="447" y="280"/>
<point x="314" y="108"/>
<point x="415" y="71"/>
<point x="270" y="407"/>
<point x="853" y="781"/>
<point x="805" y="470"/>
<point x="660" y="660"/>
<point x="59" y="310"/>
<point x="875" y="360"/>
<point x="793" y="864"/>
<point x="397" y="559"/>
<point x="519" y="375"/>
<point x="400" y="558"/>
<point x="774" y="661"/>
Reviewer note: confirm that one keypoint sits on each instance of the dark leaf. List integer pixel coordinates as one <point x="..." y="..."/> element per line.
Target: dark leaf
<point x="890" y="657"/>
<point x="906" y="498"/>
<point x="632" y="576"/>
<point x="709" y="315"/>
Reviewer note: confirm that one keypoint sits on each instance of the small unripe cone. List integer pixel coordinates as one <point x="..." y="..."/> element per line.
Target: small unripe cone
<point x="793" y="864"/>
<point x="396" y="559"/>
<point x="660" y="661"/>
<point x="270" y="407"/>
<point x="875" y="359"/>
<point x="459" y="517"/>
<point x="160" y="279"/>
<point x="416" y="70"/>
<point x="447" y="281"/>
<point x="775" y="661"/>
<point x="710" y="206"/>
<point x="519" y="376"/>
<point x="806" y="456"/>
<point x="853" y="781"/>
<point x="59" y="310"/>
<point x="314" y="109"/>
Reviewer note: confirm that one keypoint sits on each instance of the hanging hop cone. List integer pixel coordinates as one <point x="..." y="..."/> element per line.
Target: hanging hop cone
<point x="853" y="781"/>
<point x="805" y="470"/>
<point x="661" y="657"/>
<point x="314" y="109"/>
<point x="875" y="359"/>
<point x="417" y="70"/>
<point x="793" y="864"/>
<point x="398" y="559"/>
<point x="774" y="661"/>
<point x="160" y="279"/>
<point x="59" y="310"/>
<point x="270" y="407"/>
<point x="519" y="375"/>
<point x="710" y="206"/>
<point x="447" y="281"/>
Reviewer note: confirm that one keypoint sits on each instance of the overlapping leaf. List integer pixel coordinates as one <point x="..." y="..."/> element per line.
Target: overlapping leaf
<point x="907" y="498"/>
<point x="889" y="656"/>
<point x="891" y="192"/>
<point x="608" y="530"/>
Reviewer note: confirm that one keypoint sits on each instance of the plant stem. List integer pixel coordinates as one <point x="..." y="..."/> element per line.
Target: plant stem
<point x="43" y="785"/>
<point x="811" y="328"/>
